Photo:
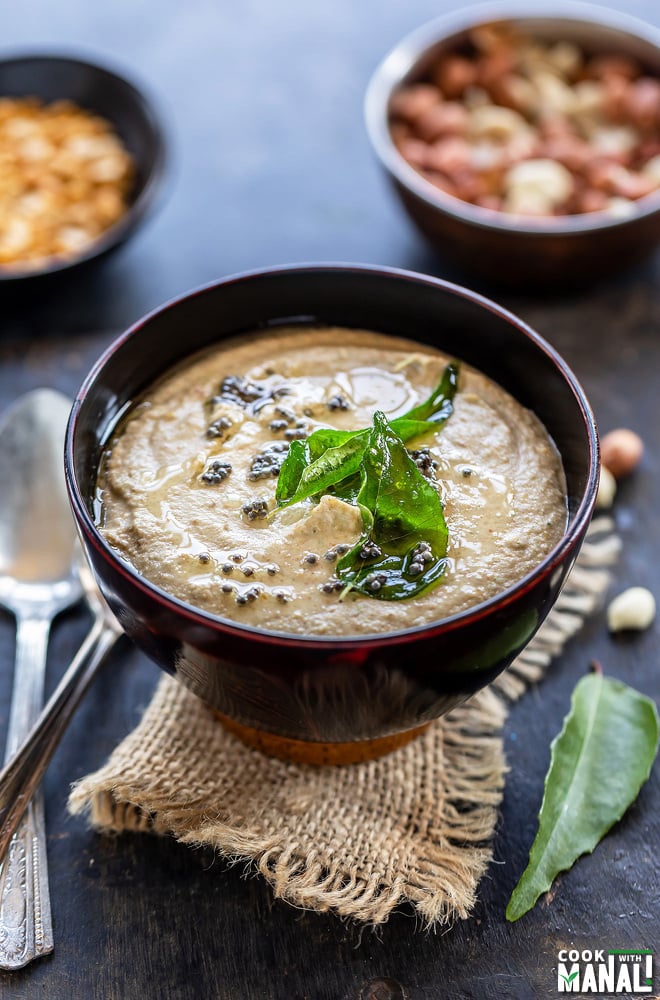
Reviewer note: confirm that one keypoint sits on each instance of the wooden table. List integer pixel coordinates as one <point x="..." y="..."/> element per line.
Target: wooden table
<point x="271" y="164"/>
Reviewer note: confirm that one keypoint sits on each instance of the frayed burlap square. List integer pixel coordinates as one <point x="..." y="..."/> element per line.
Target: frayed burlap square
<point x="359" y="840"/>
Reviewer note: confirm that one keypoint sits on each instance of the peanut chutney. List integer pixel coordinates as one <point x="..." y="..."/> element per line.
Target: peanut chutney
<point x="187" y="484"/>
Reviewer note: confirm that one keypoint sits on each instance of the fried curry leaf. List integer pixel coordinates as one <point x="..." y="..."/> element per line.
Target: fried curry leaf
<point x="598" y="763"/>
<point x="402" y="550"/>
<point x="330" y="456"/>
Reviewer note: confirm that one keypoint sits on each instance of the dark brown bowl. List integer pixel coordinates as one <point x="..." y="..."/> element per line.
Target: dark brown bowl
<point x="292" y="693"/>
<point x="134" y="118"/>
<point x="535" y="253"/>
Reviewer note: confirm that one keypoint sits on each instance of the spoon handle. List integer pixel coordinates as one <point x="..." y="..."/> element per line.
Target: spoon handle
<point x="26" y="930"/>
<point x="21" y="776"/>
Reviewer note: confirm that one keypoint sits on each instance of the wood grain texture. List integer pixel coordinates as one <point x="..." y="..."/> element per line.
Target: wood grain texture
<point x="272" y="165"/>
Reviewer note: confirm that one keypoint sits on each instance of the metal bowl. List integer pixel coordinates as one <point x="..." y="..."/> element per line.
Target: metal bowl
<point x="548" y="253"/>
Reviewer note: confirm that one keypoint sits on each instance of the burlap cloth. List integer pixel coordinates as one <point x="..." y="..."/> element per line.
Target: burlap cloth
<point x="359" y="840"/>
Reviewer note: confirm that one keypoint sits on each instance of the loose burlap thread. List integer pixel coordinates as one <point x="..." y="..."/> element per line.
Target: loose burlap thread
<point x="359" y="840"/>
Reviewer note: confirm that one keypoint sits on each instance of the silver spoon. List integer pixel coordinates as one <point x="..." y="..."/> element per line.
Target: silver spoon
<point x="38" y="580"/>
<point x="21" y="776"/>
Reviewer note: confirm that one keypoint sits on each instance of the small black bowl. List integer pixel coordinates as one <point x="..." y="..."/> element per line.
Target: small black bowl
<point x="307" y="696"/>
<point x="134" y="118"/>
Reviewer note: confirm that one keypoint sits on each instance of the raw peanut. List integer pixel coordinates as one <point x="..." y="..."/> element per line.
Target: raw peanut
<point x="620" y="208"/>
<point x="569" y="150"/>
<point x="591" y="200"/>
<point x="527" y="201"/>
<point x="486" y="156"/>
<point x="514" y="91"/>
<point x="546" y="177"/>
<point x="532" y="57"/>
<point x="554" y="96"/>
<point x="652" y="169"/>
<point x="494" y="122"/>
<point x="523" y="146"/>
<point x="442" y="182"/>
<point x="590" y="97"/>
<point x="648" y="149"/>
<point x="470" y="185"/>
<point x="411" y="102"/>
<point x="616" y="180"/>
<point x="476" y="97"/>
<point x="400" y="131"/>
<point x="632" y="609"/>
<point x="566" y="58"/>
<point x="600" y="174"/>
<point x="555" y="126"/>
<point x="601" y="67"/>
<point x="493" y="66"/>
<point x="415" y="152"/>
<point x="490" y="201"/>
<point x="637" y="186"/>
<point x="626" y="184"/>
<point x="445" y="118"/>
<point x="489" y="37"/>
<point x="454" y="75"/>
<point x="449" y="155"/>
<point x="621" y="451"/>
<point x="606" y="489"/>
<point x="614" y="142"/>
<point x="615" y="98"/>
<point x="642" y="102"/>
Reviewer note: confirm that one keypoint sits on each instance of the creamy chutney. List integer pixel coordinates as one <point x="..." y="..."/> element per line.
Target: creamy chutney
<point x="187" y="484"/>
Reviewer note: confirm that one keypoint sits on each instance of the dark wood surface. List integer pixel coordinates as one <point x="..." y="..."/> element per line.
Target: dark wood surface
<point x="270" y="164"/>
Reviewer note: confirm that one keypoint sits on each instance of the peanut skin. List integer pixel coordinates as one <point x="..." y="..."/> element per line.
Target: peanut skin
<point x="621" y="451"/>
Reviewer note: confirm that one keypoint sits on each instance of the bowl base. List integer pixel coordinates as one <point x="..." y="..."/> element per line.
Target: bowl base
<point x="307" y="752"/>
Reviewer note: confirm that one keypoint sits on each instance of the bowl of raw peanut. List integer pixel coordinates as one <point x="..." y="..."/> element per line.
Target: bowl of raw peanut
<point x="82" y="154"/>
<point x="525" y="146"/>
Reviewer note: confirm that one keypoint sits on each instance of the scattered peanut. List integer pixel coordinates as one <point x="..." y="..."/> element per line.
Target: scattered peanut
<point x="621" y="451"/>
<point x="65" y="177"/>
<point x="606" y="489"/>
<point x="632" y="609"/>
<point x="511" y="101"/>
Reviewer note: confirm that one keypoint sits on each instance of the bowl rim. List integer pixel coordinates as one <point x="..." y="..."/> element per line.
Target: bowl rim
<point x="573" y="533"/>
<point x="146" y="199"/>
<point x="410" y="50"/>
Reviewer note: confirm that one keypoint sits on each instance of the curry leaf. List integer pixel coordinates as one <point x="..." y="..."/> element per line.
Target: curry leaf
<point x="402" y="550"/>
<point x="328" y="437"/>
<point x="330" y="455"/>
<point x="296" y="462"/>
<point x="438" y="407"/>
<point x="331" y="467"/>
<point x="598" y="764"/>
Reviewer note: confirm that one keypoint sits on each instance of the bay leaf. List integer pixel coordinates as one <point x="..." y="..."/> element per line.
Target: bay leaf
<point x="598" y="763"/>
